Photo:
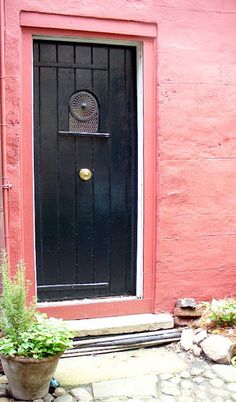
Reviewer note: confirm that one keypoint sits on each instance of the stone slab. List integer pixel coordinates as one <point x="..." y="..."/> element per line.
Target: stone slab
<point x="129" y="387"/>
<point x="81" y="394"/>
<point x="188" y="312"/>
<point x="66" y="398"/>
<point x="227" y="373"/>
<point x="74" y="371"/>
<point x="186" y="302"/>
<point x="184" y="321"/>
<point x="122" y="324"/>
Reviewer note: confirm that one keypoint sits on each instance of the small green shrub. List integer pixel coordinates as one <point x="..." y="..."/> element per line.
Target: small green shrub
<point x="26" y="333"/>
<point x="16" y="314"/>
<point x="219" y="313"/>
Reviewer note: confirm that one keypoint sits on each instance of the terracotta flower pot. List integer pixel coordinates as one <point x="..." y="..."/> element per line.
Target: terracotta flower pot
<point x="29" y="379"/>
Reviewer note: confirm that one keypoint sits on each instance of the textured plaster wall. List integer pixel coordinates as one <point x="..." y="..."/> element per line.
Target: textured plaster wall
<point x="196" y="222"/>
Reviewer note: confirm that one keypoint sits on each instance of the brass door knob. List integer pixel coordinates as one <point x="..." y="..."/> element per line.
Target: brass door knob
<point x="85" y="174"/>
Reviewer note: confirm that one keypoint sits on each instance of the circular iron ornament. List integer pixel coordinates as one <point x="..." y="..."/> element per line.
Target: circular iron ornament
<point x="83" y="105"/>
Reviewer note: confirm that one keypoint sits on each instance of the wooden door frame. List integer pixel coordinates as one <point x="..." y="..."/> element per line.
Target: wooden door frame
<point x="66" y="27"/>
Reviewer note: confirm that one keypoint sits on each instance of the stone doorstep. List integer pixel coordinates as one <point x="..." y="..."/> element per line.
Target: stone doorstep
<point x="122" y="324"/>
<point x="126" y="387"/>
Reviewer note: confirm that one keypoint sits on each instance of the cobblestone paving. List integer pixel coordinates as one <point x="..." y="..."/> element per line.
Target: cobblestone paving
<point x="209" y="383"/>
<point x="201" y="381"/>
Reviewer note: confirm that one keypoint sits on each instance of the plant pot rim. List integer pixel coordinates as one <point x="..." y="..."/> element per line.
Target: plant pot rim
<point x="22" y="359"/>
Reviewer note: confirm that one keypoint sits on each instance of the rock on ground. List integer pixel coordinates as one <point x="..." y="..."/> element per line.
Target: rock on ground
<point x="187" y="339"/>
<point x="227" y="373"/>
<point x="216" y="348"/>
<point x="199" y="336"/>
<point x="3" y="379"/>
<point x="66" y="398"/>
<point x="59" y="392"/>
<point x="48" y="398"/>
<point x="81" y="394"/>
<point x="197" y="350"/>
<point x="3" y="390"/>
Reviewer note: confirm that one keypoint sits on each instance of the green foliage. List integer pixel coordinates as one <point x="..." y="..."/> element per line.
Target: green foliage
<point x="16" y="315"/>
<point x="26" y="332"/>
<point x="45" y="337"/>
<point x="219" y="313"/>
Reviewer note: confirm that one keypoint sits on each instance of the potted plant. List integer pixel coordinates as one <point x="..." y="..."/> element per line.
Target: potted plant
<point x="31" y="344"/>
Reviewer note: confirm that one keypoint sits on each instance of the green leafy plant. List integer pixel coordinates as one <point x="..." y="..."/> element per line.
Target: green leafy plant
<point x="44" y="338"/>
<point x="16" y="313"/>
<point x="219" y="313"/>
<point x="27" y="333"/>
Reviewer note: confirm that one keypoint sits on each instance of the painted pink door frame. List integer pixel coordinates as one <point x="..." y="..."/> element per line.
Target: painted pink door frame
<point x="58" y="26"/>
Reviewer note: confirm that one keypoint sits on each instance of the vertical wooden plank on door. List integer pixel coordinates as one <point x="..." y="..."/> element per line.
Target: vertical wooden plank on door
<point x="66" y="174"/>
<point x="101" y="152"/>
<point x="119" y="135"/>
<point x="131" y="179"/>
<point x="48" y="170"/>
<point x="84" y="195"/>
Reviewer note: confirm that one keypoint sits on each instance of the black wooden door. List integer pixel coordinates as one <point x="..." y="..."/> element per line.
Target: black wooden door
<point x="85" y="118"/>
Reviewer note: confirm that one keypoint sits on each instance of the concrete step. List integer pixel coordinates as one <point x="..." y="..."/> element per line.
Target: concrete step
<point x="121" y="325"/>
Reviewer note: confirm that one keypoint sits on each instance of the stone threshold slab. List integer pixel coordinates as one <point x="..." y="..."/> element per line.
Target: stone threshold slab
<point x="121" y="325"/>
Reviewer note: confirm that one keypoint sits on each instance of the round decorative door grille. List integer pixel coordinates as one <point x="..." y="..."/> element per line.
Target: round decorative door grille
<point x="83" y="106"/>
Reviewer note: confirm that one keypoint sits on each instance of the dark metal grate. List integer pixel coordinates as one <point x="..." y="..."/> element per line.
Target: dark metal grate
<point x="83" y="112"/>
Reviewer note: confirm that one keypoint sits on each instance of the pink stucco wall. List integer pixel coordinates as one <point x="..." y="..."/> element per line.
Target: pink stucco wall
<point x="196" y="222"/>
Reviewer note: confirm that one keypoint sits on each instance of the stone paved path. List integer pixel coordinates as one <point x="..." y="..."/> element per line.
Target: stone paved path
<point x="198" y="381"/>
<point x="216" y="383"/>
<point x="194" y="379"/>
